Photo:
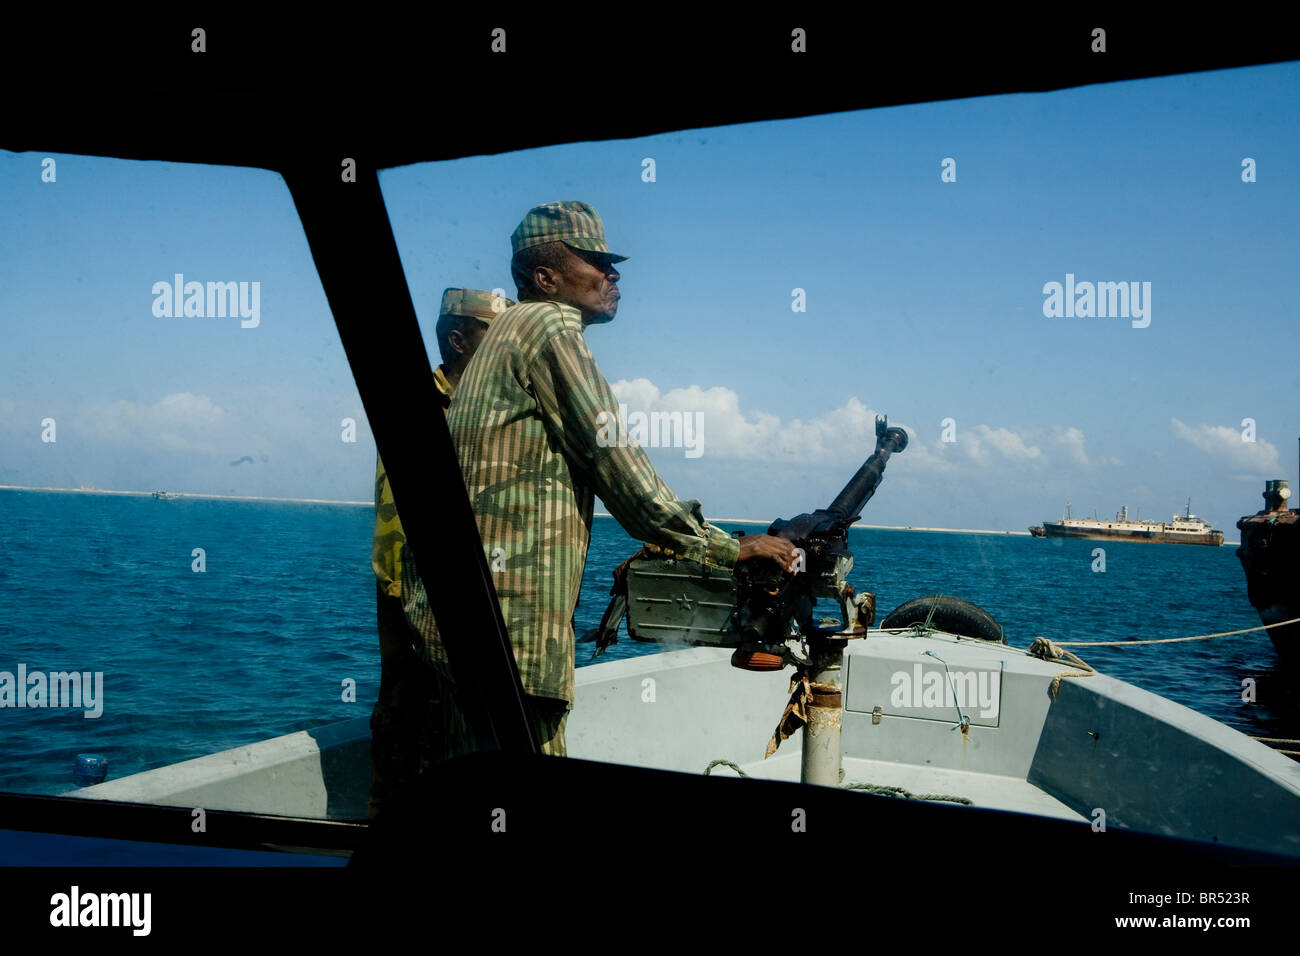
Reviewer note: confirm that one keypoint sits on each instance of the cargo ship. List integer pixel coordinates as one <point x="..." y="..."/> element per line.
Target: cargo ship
<point x="1181" y="529"/>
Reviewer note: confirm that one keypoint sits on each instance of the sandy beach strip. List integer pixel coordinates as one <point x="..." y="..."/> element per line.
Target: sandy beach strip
<point x="186" y="494"/>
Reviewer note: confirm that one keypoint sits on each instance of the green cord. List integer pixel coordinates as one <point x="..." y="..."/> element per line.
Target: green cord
<point x="964" y="720"/>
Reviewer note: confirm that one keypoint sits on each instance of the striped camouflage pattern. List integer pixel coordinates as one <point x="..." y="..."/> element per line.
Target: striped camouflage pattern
<point x="386" y="552"/>
<point x="386" y="555"/>
<point x="415" y="719"/>
<point x="524" y="422"/>
<point x="572" y="222"/>
<point x="473" y="302"/>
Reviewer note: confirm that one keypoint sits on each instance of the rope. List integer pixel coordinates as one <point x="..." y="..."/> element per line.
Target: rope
<point x="1172" y="640"/>
<point x="869" y="787"/>
<point x="725" y="763"/>
<point x="1049" y="651"/>
<point x="1044" y="649"/>
<point x="920" y="629"/>
<point x="1052" y="650"/>
<point x="1269" y="741"/>
<point x="930" y="617"/>
<point x="900" y="792"/>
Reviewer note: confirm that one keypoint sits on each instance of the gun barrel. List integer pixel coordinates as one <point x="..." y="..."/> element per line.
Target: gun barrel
<point x="863" y="484"/>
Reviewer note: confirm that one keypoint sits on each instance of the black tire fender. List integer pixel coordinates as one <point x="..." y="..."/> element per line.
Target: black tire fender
<point x="951" y="614"/>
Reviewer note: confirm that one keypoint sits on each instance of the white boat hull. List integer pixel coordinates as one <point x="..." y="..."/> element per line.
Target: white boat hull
<point x="1101" y="750"/>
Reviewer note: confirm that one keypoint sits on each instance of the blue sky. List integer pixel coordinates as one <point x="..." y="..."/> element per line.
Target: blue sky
<point x="924" y="300"/>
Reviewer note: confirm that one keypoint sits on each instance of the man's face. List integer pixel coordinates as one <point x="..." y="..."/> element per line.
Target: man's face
<point x="464" y="342"/>
<point x="473" y="335"/>
<point x="589" y="283"/>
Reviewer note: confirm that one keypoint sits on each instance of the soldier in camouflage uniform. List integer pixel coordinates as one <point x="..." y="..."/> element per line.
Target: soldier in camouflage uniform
<point x="530" y="423"/>
<point x="410" y="695"/>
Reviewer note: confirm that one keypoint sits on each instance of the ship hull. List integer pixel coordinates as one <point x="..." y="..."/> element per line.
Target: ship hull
<point x="1270" y="556"/>
<point x="1056" y="530"/>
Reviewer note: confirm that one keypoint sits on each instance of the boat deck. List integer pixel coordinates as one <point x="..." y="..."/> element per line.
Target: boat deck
<point x="987" y="790"/>
<point x="1150" y="763"/>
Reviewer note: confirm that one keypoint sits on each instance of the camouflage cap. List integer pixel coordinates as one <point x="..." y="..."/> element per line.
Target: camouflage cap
<point x="574" y="223"/>
<point x="473" y="302"/>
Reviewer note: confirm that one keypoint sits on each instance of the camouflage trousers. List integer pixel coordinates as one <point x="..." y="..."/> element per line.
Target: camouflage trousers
<point x="418" y="722"/>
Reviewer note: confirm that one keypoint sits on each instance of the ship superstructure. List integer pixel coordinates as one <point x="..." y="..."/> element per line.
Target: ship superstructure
<point x="1180" y="529"/>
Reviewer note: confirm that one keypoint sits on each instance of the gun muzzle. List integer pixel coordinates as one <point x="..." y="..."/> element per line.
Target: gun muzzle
<point x="850" y="502"/>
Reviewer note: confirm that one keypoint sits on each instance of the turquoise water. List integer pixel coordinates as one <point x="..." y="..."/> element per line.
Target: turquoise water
<point x="262" y="642"/>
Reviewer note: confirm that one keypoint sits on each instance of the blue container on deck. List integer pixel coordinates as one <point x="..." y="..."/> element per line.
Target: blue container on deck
<point x="91" y="769"/>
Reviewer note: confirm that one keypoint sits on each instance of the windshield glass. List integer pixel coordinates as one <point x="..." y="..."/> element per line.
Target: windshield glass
<point x="1023" y="284"/>
<point x="184" y="527"/>
<point x="1028" y="286"/>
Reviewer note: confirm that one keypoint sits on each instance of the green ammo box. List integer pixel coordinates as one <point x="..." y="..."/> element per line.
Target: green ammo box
<point x="681" y="602"/>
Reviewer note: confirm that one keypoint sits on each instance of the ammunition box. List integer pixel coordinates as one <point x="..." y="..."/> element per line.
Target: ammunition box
<point x="681" y="603"/>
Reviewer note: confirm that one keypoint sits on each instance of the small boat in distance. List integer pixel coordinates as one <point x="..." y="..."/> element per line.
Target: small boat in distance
<point x="165" y="495"/>
<point x="1181" y="529"/>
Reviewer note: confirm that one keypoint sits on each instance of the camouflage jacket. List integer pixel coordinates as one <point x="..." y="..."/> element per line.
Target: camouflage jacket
<point x="386" y="553"/>
<point x="527" y="424"/>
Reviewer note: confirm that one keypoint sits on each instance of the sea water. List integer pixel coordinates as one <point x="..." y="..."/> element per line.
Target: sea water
<point x="276" y="632"/>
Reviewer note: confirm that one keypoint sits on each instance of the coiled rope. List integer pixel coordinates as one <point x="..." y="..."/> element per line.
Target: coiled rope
<point x="900" y="792"/>
<point x="869" y="787"/>
<point x="725" y="763"/>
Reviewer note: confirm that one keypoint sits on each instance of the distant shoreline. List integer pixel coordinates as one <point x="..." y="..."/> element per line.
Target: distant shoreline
<point x="873" y="527"/>
<point x="186" y="494"/>
<point x="598" y="514"/>
<point x="890" y="527"/>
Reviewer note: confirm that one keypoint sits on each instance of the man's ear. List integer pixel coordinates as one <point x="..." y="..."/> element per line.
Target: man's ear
<point x="544" y="278"/>
<point x="456" y="339"/>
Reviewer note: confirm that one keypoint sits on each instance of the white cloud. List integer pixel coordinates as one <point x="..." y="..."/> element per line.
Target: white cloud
<point x="728" y="433"/>
<point x="990" y="448"/>
<point x="182" y="421"/>
<point x="186" y="408"/>
<point x="980" y="442"/>
<point x="847" y="434"/>
<point x="1225" y="444"/>
<point x="1071" y="439"/>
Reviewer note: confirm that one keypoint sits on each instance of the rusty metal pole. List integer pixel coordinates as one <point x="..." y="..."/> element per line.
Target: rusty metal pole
<point x="821" y="758"/>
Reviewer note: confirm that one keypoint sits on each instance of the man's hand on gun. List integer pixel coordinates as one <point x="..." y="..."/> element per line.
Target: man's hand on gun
<point x="768" y="546"/>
